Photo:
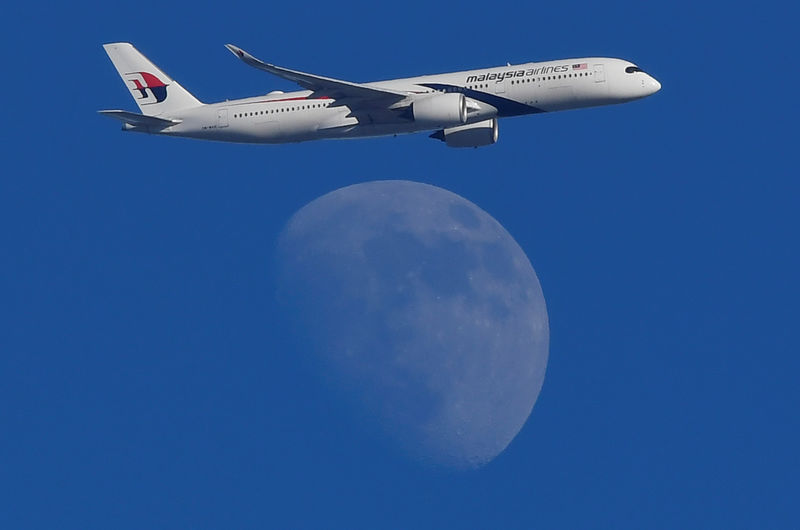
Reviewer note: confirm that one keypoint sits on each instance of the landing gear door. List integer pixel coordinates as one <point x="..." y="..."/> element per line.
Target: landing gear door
<point x="222" y="118"/>
<point x="599" y="73"/>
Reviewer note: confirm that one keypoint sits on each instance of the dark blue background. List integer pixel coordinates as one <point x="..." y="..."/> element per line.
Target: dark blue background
<point x="145" y="380"/>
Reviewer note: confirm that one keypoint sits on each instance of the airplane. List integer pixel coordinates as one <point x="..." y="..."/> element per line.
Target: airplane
<point x="461" y="108"/>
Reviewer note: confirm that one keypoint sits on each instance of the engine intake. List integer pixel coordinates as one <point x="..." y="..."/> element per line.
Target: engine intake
<point x="471" y="135"/>
<point x="440" y="110"/>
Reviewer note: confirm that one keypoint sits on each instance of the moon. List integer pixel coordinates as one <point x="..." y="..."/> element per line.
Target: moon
<point x="422" y="310"/>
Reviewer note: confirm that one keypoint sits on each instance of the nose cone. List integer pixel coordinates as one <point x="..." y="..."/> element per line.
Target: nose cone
<point x="651" y="86"/>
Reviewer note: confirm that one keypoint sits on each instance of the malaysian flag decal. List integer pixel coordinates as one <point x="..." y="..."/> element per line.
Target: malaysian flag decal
<point x="581" y="66"/>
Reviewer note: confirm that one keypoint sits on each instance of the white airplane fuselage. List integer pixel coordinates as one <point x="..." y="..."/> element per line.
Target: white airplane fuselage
<point x="485" y="95"/>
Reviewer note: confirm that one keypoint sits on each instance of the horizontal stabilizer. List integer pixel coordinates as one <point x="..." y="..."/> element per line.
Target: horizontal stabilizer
<point x="138" y="120"/>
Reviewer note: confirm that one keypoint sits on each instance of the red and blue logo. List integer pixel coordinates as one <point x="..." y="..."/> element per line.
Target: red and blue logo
<point x="146" y="88"/>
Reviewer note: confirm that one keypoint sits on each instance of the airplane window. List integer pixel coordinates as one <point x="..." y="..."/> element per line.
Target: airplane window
<point x="631" y="69"/>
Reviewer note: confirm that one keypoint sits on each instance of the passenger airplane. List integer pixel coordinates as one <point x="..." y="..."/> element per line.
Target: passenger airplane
<point x="462" y="107"/>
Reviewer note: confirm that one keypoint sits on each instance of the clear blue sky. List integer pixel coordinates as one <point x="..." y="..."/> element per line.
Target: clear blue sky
<point x="145" y="383"/>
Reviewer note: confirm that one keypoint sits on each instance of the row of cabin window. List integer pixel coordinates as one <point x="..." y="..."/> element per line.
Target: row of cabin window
<point x="284" y="109"/>
<point x="548" y="78"/>
<point x="536" y="79"/>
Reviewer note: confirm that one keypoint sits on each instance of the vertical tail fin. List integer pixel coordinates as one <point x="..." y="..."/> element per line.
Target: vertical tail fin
<point x="154" y="91"/>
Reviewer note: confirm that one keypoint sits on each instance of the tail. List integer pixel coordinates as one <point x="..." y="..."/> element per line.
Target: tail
<point x="154" y="91"/>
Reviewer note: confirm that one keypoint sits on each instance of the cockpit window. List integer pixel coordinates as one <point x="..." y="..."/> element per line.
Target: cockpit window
<point x="631" y="69"/>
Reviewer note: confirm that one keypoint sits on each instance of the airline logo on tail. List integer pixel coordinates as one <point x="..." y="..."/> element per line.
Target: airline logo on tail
<point x="146" y="88"/>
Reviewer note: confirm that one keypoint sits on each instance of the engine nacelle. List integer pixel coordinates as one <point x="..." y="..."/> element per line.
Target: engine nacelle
<point x="440" y="110"/>
<point x="471" y="135"/>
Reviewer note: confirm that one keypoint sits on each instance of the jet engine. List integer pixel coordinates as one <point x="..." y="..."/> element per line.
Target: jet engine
<point x="440" y="110"/>
<point x="471" y="135"/>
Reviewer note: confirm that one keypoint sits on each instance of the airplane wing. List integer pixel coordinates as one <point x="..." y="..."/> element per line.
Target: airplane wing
<point x="322" y="86"/>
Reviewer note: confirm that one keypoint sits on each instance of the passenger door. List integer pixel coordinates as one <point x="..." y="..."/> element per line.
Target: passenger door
<point x="599" y="73"/>
<point x="222" y="118"/>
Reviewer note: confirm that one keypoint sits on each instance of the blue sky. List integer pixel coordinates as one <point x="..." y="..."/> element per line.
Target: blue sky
<point x="145" y="382"/>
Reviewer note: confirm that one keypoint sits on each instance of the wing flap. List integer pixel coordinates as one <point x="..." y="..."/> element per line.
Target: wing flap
<point x="321" y="86"/>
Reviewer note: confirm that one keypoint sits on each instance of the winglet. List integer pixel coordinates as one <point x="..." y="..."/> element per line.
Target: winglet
<point x="252" y="61"/>
<point x="238" y="52"/>
<point x="241" y="54"/>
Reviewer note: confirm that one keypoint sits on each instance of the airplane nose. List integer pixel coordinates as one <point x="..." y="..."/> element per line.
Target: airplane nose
<point x="652" y="85"/>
